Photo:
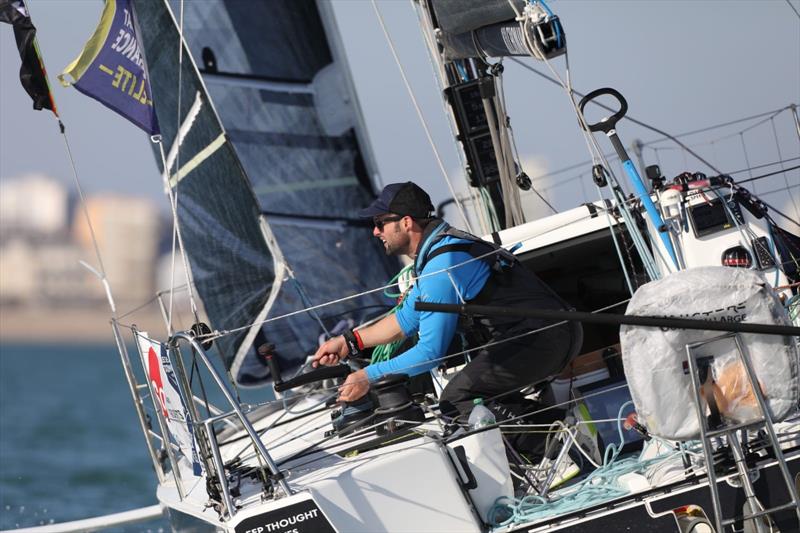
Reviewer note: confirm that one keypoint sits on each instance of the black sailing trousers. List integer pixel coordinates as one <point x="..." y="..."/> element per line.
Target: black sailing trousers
<point x="510" y="366"/>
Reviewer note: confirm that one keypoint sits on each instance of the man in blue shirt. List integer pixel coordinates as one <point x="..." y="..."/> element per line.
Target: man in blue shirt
<point x="455" y="267"/>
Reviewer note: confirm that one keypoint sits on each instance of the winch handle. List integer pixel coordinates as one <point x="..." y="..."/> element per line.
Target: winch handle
<point x="606" y="124"/>
<point x="325" y="372"/>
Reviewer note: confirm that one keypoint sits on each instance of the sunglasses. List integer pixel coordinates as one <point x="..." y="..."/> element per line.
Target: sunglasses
<point x="380" y="222"/>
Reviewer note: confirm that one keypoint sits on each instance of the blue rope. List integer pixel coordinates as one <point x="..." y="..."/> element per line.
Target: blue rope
<point x="461" y="70"/>
<point x="551" y="15"/>
<point x="600" y="486"/>
<point x="772" y="252"/>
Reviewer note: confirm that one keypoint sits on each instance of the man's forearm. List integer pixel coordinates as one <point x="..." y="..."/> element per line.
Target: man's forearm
<point x="384" y="331"/>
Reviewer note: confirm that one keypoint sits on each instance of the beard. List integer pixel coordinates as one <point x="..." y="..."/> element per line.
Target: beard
<point x="395" y="244"/>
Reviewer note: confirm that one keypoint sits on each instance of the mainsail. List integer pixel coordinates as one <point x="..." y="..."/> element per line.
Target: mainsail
<point x="279" y="142"/>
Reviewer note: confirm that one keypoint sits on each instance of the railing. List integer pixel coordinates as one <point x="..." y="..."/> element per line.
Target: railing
<point x="203" y="427"/>
<point x="261" y="451"/>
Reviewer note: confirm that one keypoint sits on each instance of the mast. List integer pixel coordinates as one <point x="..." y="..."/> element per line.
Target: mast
<point x="459" y="39"/>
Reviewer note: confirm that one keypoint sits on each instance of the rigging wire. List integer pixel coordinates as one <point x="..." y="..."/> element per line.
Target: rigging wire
<point x="741" y="131"/>
<point x="627" y="116"/>
<point x="771" y="114"/>
<point x="656" y="149"/>
<point x="756" y="167"/>
<point x="770" y="206"/>
<point x="746" y="157"/>
<point x="149" y="302"/>
<point x="421" y="117"/>
<point x="533" y="9"/>
<point x="793" y="9"/>
<point x="500" y="130"/>
<point x="501" y="97"/>
<point x="754" y="178"/>
<point x="176" y="141"/>
<point x="780" y="158"/>
<point x="219" y="333"/>
<point x="597" y="155"/>
<point x="505" y="422"/>
<point x="176" y="236"/>
<point x="84" y="206"/>
<point x="460" y="354"/>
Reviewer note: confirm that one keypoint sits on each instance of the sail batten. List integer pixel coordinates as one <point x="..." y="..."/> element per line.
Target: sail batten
<point x="257" y="149"/>
<point x="232" y="266"/>
<point x="278" y="87"/>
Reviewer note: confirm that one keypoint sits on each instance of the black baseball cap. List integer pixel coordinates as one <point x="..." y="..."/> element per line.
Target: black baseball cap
<point x="401" y="199"/>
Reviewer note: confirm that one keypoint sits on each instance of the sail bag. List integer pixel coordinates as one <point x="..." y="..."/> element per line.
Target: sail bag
<point x="655" y="359"/>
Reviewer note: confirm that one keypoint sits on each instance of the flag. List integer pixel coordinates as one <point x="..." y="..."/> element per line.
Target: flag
<point x="31" y="73"/>
<point x="111" y="68"/>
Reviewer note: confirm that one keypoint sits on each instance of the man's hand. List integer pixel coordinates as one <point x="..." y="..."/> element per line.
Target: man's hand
<point x="354" y="387"/>
<point x="331" y="352"/>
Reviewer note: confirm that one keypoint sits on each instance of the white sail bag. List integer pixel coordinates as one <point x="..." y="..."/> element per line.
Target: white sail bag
<point x="655" y="359"/>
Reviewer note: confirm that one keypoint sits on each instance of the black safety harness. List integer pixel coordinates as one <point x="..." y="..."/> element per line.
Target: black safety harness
<point x="508" y="285"/>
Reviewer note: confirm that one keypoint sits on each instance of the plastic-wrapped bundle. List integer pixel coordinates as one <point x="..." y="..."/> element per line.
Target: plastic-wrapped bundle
<point x="655" y="358"/>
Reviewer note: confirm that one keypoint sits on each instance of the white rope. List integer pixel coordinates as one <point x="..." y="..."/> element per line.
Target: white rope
<point x="102" y="272"/>
<point x="596" y="153"/>
<point x="176" y="236"/>
<point x="174" y="197"/>
<point x="323" y="390"/>
<point x="84" y="207"/>
<point x="509" y="245"/>
<point x="501" y="97"/>
<point x="420" y="115"/>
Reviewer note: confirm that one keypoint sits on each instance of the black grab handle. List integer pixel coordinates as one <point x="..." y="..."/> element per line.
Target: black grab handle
<point x="326" y="372"/>
<point x="607" y="124"/>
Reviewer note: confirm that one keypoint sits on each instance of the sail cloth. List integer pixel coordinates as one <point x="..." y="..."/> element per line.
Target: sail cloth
<point x="111" y="68"/>
<point x="462" y="16"/>
<point x="32" y="73"/>
<point x="232" y="268"/>
<point x="481" y="28"/>
<point x="289" y="151"/>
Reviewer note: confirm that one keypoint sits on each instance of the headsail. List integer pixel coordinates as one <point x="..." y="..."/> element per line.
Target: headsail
<point x="284" y="146"/>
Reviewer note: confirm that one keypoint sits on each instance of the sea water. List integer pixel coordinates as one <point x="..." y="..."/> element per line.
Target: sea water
<point x="70" y="443"/>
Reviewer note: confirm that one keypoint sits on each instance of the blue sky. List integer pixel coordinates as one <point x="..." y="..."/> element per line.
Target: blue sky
<point x="682" y="65"/>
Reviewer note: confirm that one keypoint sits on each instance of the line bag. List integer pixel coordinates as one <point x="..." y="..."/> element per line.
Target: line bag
<point x="655" y="359"/>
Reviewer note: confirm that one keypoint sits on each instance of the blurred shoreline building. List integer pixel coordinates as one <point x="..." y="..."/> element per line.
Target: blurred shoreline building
<point x="34" y="205"/>
<point x="43" y="238"/>
<point x="127" y="230"/>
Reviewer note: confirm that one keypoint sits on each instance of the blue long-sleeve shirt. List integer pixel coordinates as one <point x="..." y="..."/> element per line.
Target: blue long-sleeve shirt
<point x="436" y="330"/>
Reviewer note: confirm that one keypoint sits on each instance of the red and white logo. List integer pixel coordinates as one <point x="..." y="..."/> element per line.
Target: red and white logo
<point x="154" y="368"/>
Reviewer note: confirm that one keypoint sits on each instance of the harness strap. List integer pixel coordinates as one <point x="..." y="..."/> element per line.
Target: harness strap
<point x="475" y="249"/>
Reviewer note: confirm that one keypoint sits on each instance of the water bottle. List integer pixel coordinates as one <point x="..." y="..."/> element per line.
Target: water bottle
<point x="480" y="416"/>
